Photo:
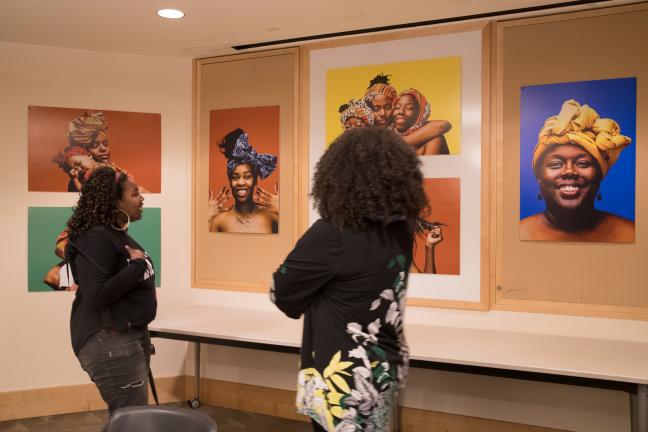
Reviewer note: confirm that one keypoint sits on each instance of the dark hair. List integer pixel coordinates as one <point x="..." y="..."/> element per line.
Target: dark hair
<point x="368" y="174"/>
<point x="227" y="145"/>
<point x="379" y="79"/>
<point x="98" y="201"/>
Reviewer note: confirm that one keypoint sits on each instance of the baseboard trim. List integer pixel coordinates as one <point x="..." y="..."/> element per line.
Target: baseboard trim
<point x="281" y="403"/>
<point x="243" y="397"/>
<point x="75" y="398"/>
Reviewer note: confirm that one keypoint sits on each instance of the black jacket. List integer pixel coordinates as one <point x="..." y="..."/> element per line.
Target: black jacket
<point x="114" y="292"/>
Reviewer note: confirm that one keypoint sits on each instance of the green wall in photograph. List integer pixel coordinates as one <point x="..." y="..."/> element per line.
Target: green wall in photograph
<point x="45" y="223"/>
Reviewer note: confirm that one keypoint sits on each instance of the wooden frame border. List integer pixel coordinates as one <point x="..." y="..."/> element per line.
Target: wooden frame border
<point x="485" y="243"/>
<point x="537" y="306"/>
<point x="228" y="285"/>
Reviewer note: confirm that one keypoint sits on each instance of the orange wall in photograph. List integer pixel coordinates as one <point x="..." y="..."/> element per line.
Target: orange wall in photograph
<point x="134" y="142"/>
<point x="444" y="195"/>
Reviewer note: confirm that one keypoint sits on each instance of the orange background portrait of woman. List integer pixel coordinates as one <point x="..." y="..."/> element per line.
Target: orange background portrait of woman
<point x="444" y="196"/>
<point x="262" y="126"/>
<point x="134" y="141"/>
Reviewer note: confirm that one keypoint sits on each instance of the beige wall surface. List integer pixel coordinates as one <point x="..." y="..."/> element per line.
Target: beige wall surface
<point x="34" y="334"/>
<point x="34" y="327"/>
<point x="603" y="277"/>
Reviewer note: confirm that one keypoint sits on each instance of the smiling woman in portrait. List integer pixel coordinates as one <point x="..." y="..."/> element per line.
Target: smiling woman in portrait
<point x="255" y="210"/>
<point x="574" y="153"/>
<point x="411" y="120"/>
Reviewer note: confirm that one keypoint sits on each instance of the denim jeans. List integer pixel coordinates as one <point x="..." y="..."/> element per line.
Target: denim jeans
<point x="118" y="363"/>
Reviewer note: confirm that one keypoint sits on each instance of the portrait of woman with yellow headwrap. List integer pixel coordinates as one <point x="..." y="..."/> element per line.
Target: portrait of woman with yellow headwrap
<point x="578" y="149"/>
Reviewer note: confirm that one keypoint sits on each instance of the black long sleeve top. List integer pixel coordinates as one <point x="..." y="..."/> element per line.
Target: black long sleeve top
<point x="114" y="291"/>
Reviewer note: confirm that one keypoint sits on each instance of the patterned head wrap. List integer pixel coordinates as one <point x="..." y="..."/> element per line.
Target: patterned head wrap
<point x="243" y="153"/>
<point x="83" y="131"/>
<point x="581" y="125"/>
<point x="357" y="108"/>
<point x="379" y="85"/>
<point x="423" y="112"/>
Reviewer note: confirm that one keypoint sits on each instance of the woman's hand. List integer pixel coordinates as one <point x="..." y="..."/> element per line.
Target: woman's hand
<point x="74" y="173"/>
<point x="217" y="205"/>
<point x="135" y="253"/>
<point x="267" y="200"/>
<point x="434" y="237"/>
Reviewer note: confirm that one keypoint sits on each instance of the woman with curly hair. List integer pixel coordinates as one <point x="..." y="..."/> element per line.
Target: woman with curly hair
<point x="116" y="296"/>
<point x="348" y="276"/>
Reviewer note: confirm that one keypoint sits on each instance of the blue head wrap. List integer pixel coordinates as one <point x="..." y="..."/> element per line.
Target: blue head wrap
<point x="243" y="153"/>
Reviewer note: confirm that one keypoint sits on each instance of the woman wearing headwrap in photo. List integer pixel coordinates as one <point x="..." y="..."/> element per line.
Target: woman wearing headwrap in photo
<point x="574" y="153"/>
<point x="411" y="114"/>
<point x="381" y="97"/>
<point x="255" y="210"/>
<point x="87" y="150"/>
<point x="89" y="132"/>
<point x="355" y="114"/>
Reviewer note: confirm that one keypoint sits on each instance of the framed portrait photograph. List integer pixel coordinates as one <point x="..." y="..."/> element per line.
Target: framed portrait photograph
<point x="570" y="198"/>
<point x="245" y="184"/>
<point x="244" y="170"/>
<point x="427" y="87"/>
<point x="577" y="161"/>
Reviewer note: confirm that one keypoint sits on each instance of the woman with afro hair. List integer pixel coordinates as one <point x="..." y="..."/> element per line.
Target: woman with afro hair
<point x="347" y="276"/>
<point x="116" y="298"/>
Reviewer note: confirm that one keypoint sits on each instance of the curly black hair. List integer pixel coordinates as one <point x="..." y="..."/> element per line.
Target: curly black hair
<point x="379" y="79"/>
<point x="98" y="201"/>
<point x="368" y="175"/>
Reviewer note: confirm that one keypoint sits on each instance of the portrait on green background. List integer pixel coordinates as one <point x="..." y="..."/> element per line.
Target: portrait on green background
<point x="45" y="225"/>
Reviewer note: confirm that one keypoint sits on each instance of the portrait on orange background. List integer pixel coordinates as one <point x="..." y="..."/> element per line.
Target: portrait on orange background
<point x="66" y="144"/>
<point x="244" y="170"/>
<point x="436" y="246"/>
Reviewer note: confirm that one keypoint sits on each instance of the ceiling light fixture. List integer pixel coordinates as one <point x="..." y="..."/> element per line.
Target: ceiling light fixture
<point x="170" y="13"/>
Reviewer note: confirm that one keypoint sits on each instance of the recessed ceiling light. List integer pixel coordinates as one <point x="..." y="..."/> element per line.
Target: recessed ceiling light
<point x="170" y="13"/>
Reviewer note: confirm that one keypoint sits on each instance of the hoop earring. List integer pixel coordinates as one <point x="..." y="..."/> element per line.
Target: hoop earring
<point x="125" y="227"/>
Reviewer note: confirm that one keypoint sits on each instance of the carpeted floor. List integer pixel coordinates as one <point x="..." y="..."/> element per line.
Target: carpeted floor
<point x="94" y="421"/>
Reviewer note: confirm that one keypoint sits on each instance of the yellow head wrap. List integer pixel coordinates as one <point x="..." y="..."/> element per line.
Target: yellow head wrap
<point x="581" y="125"/>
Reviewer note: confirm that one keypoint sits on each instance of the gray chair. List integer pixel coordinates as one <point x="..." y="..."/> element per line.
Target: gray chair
<point x="159" y="419"/>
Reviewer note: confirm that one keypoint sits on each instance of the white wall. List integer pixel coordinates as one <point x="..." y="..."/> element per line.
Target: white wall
<point x="34" y="332"/>
<point x="34" y="327"/>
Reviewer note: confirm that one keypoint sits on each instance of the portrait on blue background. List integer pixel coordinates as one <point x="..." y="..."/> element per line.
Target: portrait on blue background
<point x="577" y="161"/>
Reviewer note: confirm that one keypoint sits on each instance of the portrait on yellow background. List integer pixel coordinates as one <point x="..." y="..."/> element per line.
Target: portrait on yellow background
<point x="420" y="100"/>
<point x="427" y="88"/>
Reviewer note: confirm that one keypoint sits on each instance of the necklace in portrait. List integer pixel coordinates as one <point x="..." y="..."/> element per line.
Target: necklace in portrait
<point x="246" y="222"/>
